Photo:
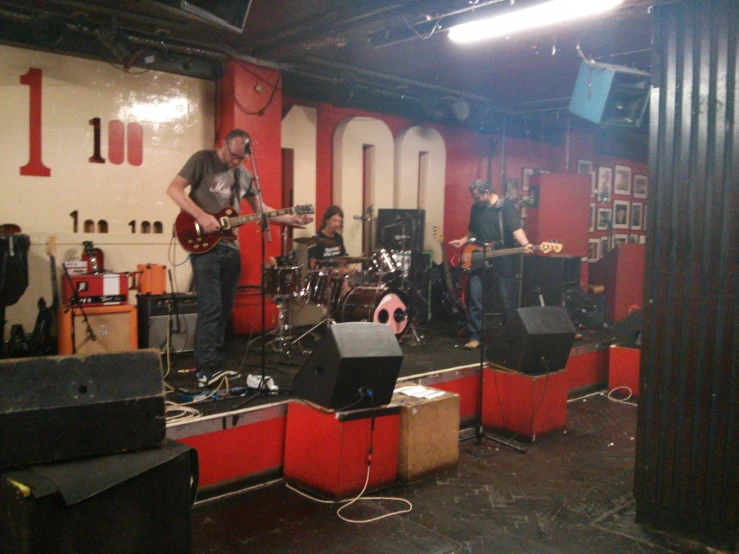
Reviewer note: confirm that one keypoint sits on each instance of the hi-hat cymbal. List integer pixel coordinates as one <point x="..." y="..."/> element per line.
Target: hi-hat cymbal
<point x="308" y="241"/>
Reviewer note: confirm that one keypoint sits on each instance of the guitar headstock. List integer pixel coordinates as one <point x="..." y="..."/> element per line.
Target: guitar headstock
<point x="304" y="209"/>
<point x="438" y="233"/>
<point x="51" y="246"/>
<point x="548" y="247"/>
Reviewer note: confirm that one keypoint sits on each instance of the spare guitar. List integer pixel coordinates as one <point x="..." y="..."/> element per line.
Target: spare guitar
<point x="451" y="300"/>
<point x="42" y="342"/>
<point x="194" y="240"/>
<point x="472" y="254"/>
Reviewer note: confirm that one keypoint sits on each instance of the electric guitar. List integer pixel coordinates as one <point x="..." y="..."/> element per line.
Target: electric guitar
<point x="451" y="298"/>
<point x="42" y="341"/>
<point x="196" y="241"/>
<point x="472" y="254"/>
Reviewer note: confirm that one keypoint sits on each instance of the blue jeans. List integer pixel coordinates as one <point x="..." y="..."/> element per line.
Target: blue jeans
<point x="506" y="286"/>
<point x="216" y="275"/>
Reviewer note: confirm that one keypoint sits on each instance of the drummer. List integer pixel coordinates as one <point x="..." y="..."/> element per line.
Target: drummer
<point x="329" y="242"/>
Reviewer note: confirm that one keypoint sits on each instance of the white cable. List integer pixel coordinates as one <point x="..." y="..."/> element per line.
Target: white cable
<point x="357" y="498"/>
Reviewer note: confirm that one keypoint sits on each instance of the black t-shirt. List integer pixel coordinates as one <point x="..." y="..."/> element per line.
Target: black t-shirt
<point x="485" y="223"/>
<point x="325" y="250"/>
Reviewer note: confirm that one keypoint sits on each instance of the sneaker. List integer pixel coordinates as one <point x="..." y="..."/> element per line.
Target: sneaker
<point x="472" y="345"/>
<point x="206" y="380"/>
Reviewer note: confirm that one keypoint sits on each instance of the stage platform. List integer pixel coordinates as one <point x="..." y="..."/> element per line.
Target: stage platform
<point x="240" y="438"/>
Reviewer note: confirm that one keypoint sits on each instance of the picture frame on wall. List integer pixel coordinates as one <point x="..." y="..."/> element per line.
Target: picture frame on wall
<point x="593" y="250"/>
<point x="633" y="239"/>
<point x="584" y="167"/>
<point x="605" y="245"/>
<point x="511" y="188"/>
<point x="592" y="217"/>
<point x="642" y="239"/>
<point x="641" y="183"/>
<point x="622" y="180"/>
<point x="604" y="184"/>
<point x="603" y="219"/>
<point x="621" y="213"/>
<point x="526" y="174"/>
<point x="636" y="216"/>
<point x="619" y="239"/>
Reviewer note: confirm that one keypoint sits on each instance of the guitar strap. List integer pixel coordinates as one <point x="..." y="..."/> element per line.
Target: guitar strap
<point x="235" y="190"/>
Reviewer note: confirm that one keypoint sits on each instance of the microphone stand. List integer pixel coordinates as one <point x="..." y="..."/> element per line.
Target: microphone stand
<point x="265" y="237"/>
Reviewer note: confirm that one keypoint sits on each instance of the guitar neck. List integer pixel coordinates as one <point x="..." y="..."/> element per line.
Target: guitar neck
<point x="508" y="251"/>
<point x="241" y="219"/>
<point x="54" y="287"/>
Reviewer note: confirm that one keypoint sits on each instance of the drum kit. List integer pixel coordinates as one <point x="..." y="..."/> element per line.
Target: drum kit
<point x="376" y="293"/>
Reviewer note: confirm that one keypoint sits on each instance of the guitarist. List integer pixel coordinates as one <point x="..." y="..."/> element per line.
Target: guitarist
<point x="494" y="221"/>
<point x="217" y="179"/>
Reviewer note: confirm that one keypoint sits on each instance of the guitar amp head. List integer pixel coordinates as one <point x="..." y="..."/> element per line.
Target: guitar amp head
<point x="167" y="319"/>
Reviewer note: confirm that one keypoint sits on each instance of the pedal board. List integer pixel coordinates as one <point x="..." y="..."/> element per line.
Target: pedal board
<point x="202" y="395"/>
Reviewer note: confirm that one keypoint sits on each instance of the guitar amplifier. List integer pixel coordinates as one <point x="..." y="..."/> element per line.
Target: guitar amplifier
<point x="96" y="289"/>
<point x="167" y="315"/>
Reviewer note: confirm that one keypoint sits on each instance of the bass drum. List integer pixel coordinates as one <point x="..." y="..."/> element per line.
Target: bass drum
<point x="375" y="304"/>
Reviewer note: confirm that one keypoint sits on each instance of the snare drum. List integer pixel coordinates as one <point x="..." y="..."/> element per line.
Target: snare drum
<point x="376" y="304"/>
<point x="385" y="266"/>
<point x="282" y="281"/>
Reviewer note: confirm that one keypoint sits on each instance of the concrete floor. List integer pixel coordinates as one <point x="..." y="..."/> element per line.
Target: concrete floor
<point x="570" y="492"/>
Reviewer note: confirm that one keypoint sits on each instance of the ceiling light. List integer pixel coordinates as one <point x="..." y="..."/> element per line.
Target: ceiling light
<point x="548" y="13"/>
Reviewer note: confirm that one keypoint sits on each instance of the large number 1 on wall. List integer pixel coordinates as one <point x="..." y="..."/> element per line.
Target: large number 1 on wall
<point x="35" y="166"/>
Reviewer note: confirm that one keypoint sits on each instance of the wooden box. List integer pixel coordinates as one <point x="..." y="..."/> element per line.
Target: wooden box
<point x="429" y="435"/>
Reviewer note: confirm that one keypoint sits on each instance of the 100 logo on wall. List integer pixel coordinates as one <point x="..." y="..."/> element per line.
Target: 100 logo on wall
<point x="124" y="141"/>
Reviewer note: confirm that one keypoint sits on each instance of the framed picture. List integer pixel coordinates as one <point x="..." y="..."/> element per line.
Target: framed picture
<point x="640" y="186"/>
<point x="619" y="239"/>
<point x="584" y="167"/>
<point x="592" y="218"/>
<point x="593" y="250"/>
<point x="642" y="239"/>
<point x="621" y="210"/>
<point x="622" y="180"/>
<point x="511" y="188"/>
<point x="526" y="173"/>
<point x="636" y="213"/>
<point x="605" y="245"/>
<point x="603" y="219"/>
<point x="633" y="239"/>
<point x="604" y="185"/>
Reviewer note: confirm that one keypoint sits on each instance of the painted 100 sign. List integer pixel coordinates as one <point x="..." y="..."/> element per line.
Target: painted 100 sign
<point x="125" y="142"/>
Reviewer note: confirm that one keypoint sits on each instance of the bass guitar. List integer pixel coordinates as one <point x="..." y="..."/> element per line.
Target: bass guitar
<point x="451" y="299"/>
<point x="472" y="256"/>
<point x="196" y="241"/>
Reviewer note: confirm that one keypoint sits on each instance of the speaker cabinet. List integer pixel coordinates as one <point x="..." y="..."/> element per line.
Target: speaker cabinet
<point x="114" y="329"/>
<point x="550" y="277"/>
<point x="56" y="408"/>
<point x="164" y="316"/>
<point x="123" y="504"/>
<point x="611" y="94"/>
<point x="351" y="359"/>
<point x="400" y="230"/>
<point x="535" y="341"/>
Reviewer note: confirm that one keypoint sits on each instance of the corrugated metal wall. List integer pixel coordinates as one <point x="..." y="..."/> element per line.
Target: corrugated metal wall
<point x="687" y="463"/>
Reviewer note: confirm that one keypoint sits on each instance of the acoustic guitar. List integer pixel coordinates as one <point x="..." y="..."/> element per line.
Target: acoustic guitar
<point x="472" y="254"/>
<point x="196" y="241"/>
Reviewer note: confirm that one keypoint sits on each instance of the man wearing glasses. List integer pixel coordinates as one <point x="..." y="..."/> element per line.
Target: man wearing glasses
<point x="217" y="179"/>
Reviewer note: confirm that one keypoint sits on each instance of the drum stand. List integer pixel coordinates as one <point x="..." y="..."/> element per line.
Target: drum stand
<point x="418" y="340"/>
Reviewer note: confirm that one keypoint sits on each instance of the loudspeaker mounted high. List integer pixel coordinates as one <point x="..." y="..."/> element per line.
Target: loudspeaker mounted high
<point x="536" y="340"/>
<point x="351" y="360"/>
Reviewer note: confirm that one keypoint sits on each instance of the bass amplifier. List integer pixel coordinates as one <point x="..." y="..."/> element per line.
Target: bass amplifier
<point x="166" y="317"/>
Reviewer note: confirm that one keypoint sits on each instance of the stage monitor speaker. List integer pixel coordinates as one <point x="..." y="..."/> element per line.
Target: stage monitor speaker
<point x="128" y="503"/>
<point x="57" y="408"/>
<point x="537" y="340"/>
<point x="400" y="230"/>
<point x="611" y="94"/>
<point x="173" y="315"/>
<point x="231" y="14"/>
<point x="349" y="362"/>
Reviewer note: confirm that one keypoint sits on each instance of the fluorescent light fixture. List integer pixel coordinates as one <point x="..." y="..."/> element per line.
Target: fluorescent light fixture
<point x="548" y="13"/>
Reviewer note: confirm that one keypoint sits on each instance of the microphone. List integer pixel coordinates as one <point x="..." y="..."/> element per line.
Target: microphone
<point x="247" y="144"/>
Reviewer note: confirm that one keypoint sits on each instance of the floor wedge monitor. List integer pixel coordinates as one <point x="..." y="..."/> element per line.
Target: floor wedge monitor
<point x="536" y="340"/>
<point x="354" y="366"/>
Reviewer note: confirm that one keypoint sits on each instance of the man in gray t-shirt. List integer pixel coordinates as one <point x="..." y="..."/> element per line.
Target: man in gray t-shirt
<point x="217" y="179"/>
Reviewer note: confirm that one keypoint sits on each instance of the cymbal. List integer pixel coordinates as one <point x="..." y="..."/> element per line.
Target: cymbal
<point x="325" y="242"/>
<point x="344" y="260"/>
<point x="308" y="241"/>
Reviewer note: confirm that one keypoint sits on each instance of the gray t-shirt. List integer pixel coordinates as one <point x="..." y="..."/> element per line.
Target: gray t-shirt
<point x="212" y="182"/>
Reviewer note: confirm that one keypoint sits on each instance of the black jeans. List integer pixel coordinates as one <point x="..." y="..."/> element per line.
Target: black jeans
<point x="216" y="275"/>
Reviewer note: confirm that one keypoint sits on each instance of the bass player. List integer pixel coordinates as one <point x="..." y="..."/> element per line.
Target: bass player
<point x="494" y="221"/>
<point x="217" y="179"/>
